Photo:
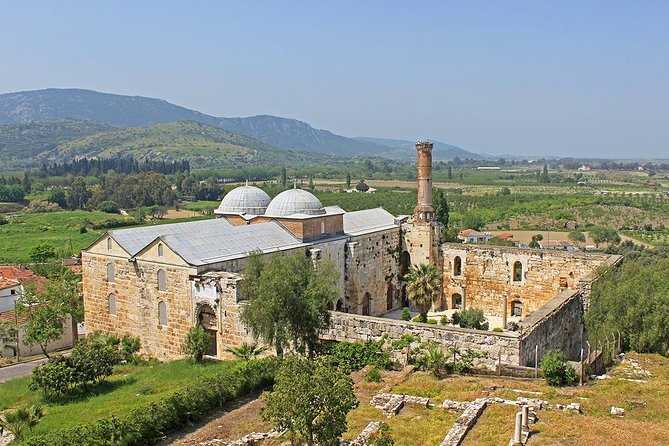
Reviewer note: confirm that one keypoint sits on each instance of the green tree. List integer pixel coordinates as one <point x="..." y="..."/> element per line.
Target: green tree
<point x="310" y="185"/>
<point x="423" y="286"/>
<point x="44" y="325"/>
<point x="536" y="238"/>
<point x="544" y="178"/>
<point x="472" y="220"/>
<point x="284" y="178"/>
<point x="79" y="195"/>
<point x="198" y="342"/>
<point x="473" y="318"/>
<point x="26" y="184"/>
<point x="604" y="234"/>
<point x="441" y="209"/>
<point x="361" y="186"/>
<point x="58" y="196"/>
<point x="449" y="170"/>
<point x="348" y="180"/>
<point x="42" y="252"/>
<point x="310" y="399"/>
<point x="108" y="206"/>
<point x="576" y="237"/>
<point x="287" y="300"/>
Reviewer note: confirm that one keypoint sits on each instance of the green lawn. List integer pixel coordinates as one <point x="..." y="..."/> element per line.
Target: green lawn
<point x="128" y="388"/>
<point x="61" y="229"/>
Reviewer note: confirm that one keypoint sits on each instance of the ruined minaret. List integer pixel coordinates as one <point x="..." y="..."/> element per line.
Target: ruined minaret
<point x="424" y="212"/>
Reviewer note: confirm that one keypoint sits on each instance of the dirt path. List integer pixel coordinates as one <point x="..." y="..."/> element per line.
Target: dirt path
<point x="231" y="422"/>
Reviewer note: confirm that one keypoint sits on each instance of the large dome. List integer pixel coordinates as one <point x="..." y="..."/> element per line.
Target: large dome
<point x="295" y="201"/>
<point x="244" y="200"/>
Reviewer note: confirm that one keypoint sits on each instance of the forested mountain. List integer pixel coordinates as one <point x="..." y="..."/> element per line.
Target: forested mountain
<point x="137" y="111"/>
<point x="202" y="144"/>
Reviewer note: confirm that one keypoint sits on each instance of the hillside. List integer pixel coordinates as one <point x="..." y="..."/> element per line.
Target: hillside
<point x="202" y="144"/>
<point x="405" y="149"/>
<point x="137" y="111"/>
<point x="21" y="142"/>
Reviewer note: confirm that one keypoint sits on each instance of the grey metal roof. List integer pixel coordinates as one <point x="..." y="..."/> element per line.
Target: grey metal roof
<point x="231" y="243"/>
<point x="368" y="220"/>
<point x="134" y="240"/>
<point x="295" y="201"/>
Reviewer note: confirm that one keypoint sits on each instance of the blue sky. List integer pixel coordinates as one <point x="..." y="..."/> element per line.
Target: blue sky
<point x="536" y="77"/>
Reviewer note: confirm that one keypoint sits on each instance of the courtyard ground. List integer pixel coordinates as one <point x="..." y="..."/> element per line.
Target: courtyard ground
<point x="642" y="395"/>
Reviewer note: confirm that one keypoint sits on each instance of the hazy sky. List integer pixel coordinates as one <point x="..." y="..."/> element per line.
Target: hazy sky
<point x="537" y="77"/>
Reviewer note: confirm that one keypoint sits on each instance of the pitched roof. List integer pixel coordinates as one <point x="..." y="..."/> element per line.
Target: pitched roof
<point x="133" y="240"/>
<point x="14" y="273"/>
<point x="368" y="220"/>
<point x="232" y="242"/>
<point x="471" y="233"/>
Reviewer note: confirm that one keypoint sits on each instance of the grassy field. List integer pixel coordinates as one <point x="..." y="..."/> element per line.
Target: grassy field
<point x="61" y="229"/>
<point x="128" y="388"/>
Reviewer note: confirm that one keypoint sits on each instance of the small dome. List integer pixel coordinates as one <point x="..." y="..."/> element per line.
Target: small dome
<point x="244" y="200"/>
<point x="295" y="201"/>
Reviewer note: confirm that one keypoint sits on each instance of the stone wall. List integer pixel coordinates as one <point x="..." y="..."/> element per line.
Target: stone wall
<point x="350" y="328"/>
<point x="137" y="300"/>
<point x="557" y="325"/>
<point x="372" y="266"/>
<point x="487" y="276"/>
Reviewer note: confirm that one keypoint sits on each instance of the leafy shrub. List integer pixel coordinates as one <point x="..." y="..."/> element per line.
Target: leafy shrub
<point x="473" y="318"/>
<point x="406" y="314"/>
<point x="149" y="424"/>
<point x="404" y="341"/>
<point x="432" y="321"/>
<point x="108" y="206"/>
<point x="444" y="320"/>
<point x="498" y="329"/>
<point x="129" y="346"/>
<point x="41" y="206"/>
<point x="42" y="252"/>
<point x="382" y="437"/>
<point x="420" y="318"/>
<point x="197" y="343"/>
<point x="56" y="377"/>
<point x="17" y="420"/>
<point x="374" y="376"/>
<point x="455" y="319"/>
<point x="557" y="371"/>
<point x="433" y="359"/>
<point x="355" y="355"/>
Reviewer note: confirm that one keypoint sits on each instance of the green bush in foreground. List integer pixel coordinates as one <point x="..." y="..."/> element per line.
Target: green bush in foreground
<point x="557" y="371"/>
<point x="148" y="424"/>
<point x="197" y="343"/>
<point x="353" y="356"/>
<point x="406" y="314"/>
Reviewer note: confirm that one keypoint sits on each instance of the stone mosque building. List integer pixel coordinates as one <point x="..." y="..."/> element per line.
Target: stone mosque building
<point x="157" y="282"/>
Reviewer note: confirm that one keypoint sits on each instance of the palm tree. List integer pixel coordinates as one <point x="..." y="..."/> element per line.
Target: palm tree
<point x="15" y="421"/>
<point x="423" y="286"/>
<point x="246" y="351"/>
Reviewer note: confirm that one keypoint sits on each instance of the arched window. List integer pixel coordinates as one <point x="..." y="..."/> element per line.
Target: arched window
<point x="322" y="227"/>
<point x="390" y="294"/>
<point x="457" y="266"/>
<point x="111" y="300"/>
<point x="109" y="243"/>
<point x="517" y="272"/>
<point x="162" y="314"/>
<point x="162" y="280"/>
<point x="160" y="249"/>
<point x="516" y="308"/>
<point x="456" y="301"/>
<point x="110" y="272"/>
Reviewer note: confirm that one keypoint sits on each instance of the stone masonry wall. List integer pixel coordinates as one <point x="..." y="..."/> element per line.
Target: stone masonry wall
<point x="137" y="299"/>
<point x="487" y="274"/>
<point x="556" y="325"/>
<point x="372" y="266"/>
<point x="349" y="327"/>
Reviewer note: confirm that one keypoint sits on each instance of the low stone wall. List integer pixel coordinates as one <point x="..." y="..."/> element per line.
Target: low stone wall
<point x="556" y="325"/>
<point x="353" y="327"/>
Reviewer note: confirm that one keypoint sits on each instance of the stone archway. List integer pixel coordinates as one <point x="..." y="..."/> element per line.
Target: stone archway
<point x="205" y="316"/>
<point x="456" y="301"/>
<point x="366" y="304"/>
<point x="389" y="297"/>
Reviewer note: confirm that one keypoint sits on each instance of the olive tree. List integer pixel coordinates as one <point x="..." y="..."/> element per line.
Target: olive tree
<point x="311" y="399"/>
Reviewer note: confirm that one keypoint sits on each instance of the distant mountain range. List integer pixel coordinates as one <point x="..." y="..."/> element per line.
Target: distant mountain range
<point x="57" y="123"/>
